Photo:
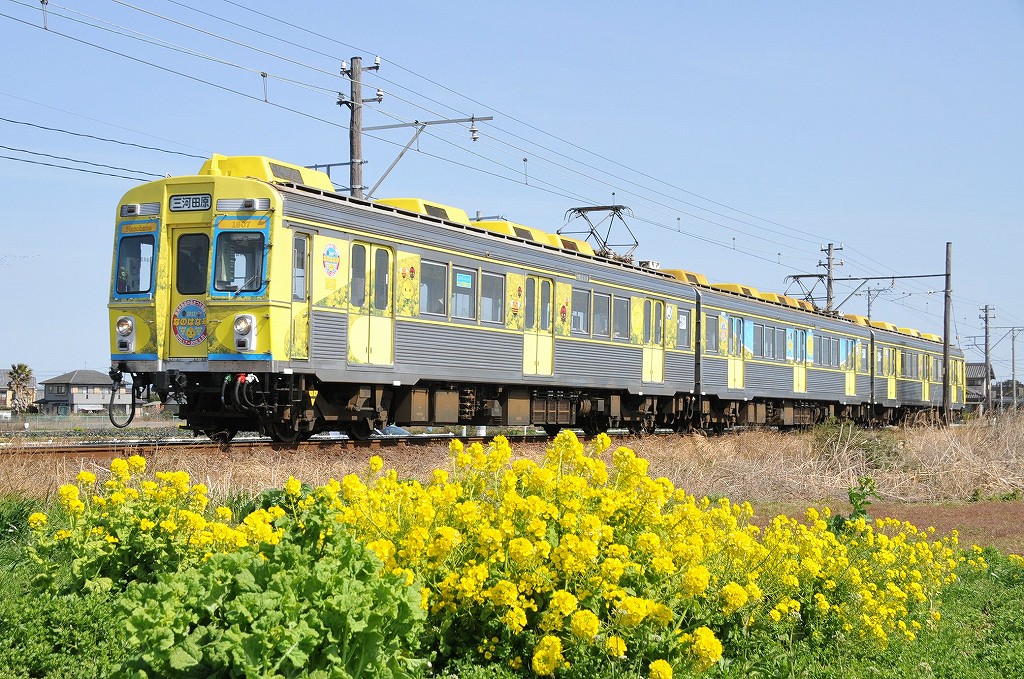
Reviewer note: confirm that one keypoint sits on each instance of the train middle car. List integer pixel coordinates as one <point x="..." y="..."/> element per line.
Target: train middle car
<point x="262" y="300"/>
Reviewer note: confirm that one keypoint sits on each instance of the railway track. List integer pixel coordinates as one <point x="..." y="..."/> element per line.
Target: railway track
<point x="106" y="450"/>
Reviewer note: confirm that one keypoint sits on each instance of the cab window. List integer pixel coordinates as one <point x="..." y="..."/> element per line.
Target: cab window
<point x="239" y="261"/>
<point x="134" y="265"/>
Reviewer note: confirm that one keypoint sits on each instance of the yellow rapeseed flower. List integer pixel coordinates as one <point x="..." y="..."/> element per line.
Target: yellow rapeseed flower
<point x="660" y="669"/>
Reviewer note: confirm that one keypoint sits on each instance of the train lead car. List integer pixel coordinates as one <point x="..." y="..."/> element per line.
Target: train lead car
<point x="262" y="300"/>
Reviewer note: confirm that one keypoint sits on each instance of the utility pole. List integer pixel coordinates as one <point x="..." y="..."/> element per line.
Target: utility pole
<point x="989" y="314"/>
<point x="947" y="316"/>
<point x="355" y="130"/>
<point x="829" y="265"/>
<point x="1013" y="364"/>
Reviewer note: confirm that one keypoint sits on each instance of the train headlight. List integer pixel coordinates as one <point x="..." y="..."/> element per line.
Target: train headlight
<point x="125" y="326"/>
<point x="245" y="332"/>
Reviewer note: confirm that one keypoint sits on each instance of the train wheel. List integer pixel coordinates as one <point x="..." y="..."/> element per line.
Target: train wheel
<point x="284" y="432"/>
<point x="360" y="430"/>
<point x="220" y="435"/>
<point x="552" y="429"/>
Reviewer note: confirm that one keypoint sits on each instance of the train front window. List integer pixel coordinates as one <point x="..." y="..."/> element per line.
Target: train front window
<point x="134" y="265"/>
<point x="239" y="261"/>
<point x="191" y="270"/>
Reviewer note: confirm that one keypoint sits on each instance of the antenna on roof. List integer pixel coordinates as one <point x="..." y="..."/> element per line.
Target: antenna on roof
<point x="603" y="247"/>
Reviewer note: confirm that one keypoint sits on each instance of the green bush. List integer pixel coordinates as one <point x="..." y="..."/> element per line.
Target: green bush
<point x="302" y="607"/>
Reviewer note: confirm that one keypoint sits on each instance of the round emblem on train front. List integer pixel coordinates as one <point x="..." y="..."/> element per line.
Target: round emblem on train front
<point x="189" y="322"/>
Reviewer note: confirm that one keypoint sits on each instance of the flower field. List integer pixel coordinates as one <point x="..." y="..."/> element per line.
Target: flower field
<point x="580" y="565"/>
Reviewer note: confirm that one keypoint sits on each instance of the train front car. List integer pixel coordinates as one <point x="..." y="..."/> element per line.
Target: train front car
<point x="201" y="302"/>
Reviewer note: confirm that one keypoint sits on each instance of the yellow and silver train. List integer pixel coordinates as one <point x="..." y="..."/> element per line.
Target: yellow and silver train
<point x="262" y="300"/>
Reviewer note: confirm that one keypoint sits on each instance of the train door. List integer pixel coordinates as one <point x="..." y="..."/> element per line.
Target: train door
<point x="371" y="320"/>
<point x="538" y="328"/>
<point x="190" y="282"/>
<point x="926" y="377"/>
<point x="300" y="297"/>
<point x="848" y="359"/>
<point x="654" y="341"/>
<point x="796" y="351"/>
<point x="735" y="352"/>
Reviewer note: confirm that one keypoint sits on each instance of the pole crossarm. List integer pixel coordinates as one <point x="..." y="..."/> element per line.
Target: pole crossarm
<point x="417" y="123"/>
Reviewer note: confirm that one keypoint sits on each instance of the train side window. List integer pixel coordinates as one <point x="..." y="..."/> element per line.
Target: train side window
<point x="735" y="336"/>
<point x="647" y="321"/>
<point x="381" y="278"/>
<point x="800" y="346"/>
<point x="711" y="334"/>
<point x="620" y="318"/>
<point x="192" y="263"/>
<point x="835" y="353"/>
<point x="602" y="315"/>
<point x="134" y="265"/>
<point x="492" y="298"/>
<point x="780" y="344"/>
<point x="433" y="288"/>
<point x="357" y="282"/>
<point x="530" y="309"/>
<point x="299" y="269"/>
<point x="581" y="312"/>
<point x="769" y="342"/>
<point x="659" y="324"/>
<point x="863" y="357"/>
<point x="545" y="305"/>
<point x="758" y="340"/>
<point x="464" y="294"/>
<point x="683" y="331"/>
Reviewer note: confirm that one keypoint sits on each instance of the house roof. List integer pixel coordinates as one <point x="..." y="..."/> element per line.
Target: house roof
<point x="80" y="377"/>
<point x="976" y="371"/>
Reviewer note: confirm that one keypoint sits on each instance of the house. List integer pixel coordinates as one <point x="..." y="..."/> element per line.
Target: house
<point x="6" y="393"/>
<point x="978" y="384"/>
<point x="81" y="391"/>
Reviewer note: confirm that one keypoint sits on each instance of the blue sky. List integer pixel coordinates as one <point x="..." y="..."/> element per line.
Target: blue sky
<point x="744" y="136"/>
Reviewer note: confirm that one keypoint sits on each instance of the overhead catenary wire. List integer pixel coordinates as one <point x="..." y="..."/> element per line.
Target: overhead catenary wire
<point x="76" y="169"/>
<point x="98" y="138"/>
<point x="75" y="160"/>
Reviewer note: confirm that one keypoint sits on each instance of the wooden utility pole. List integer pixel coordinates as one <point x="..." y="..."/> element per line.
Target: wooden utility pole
<point x="830" y="269"/>
<point x="989" y="314"/>
<point x="947" y="315"/>
<point x="355" y="130"/>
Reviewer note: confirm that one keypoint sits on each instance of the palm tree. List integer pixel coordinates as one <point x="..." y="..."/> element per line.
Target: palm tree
<point x="19" y="381"/>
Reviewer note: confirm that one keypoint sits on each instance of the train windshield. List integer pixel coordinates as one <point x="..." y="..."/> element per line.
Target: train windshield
<point x="134" y="265"/>
<point x="239" y="261"/>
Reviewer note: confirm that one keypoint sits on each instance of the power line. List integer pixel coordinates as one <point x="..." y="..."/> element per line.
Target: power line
<point x="76" y="169"/>
<point x="92" y="136"/>
<point x="83" y="162"/>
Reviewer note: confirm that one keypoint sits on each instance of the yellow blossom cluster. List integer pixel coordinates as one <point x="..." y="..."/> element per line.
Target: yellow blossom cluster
<point x="132" y="524"/>
<point x="574" y="558"/>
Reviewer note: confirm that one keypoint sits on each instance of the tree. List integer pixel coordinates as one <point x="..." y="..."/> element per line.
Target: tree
<point x="20" y="382"/>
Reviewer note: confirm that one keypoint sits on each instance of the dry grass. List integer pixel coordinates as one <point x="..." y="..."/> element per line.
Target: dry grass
<point x="980" y="459"/>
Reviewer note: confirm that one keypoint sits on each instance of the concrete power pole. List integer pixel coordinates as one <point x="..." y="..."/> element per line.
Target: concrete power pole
<point x="829" y="265"/>
<point x="989" y="314"/>
<point x="355" y="131"/>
